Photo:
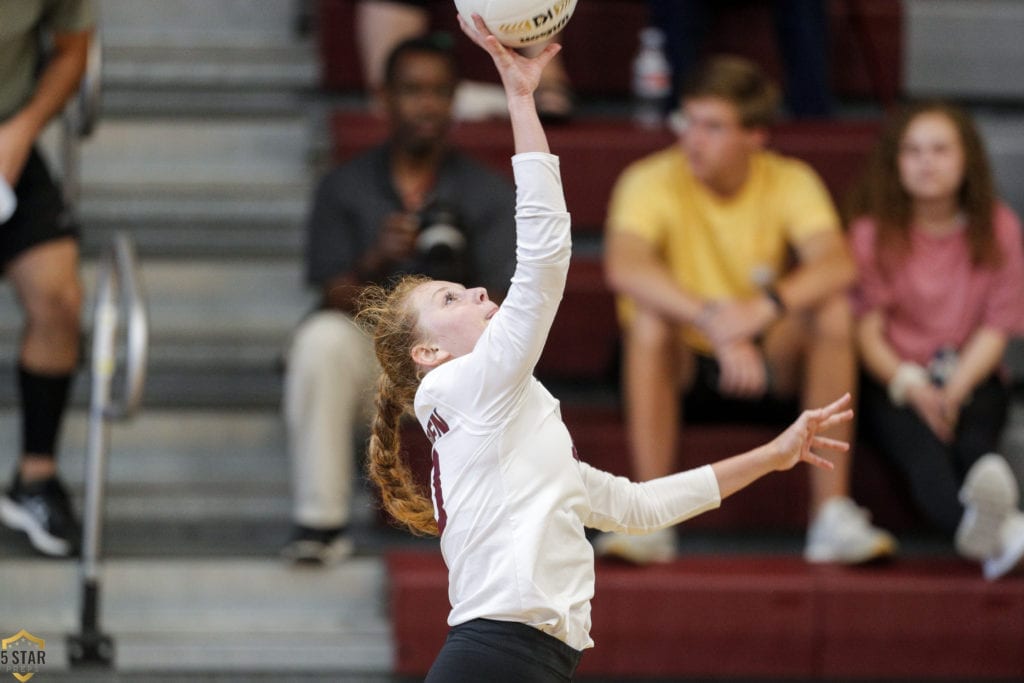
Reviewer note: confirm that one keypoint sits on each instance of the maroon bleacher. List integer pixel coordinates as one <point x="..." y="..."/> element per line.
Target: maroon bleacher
<point x="594" y="152"/>
<point x="762" y="616"/>
<point x="866" y="45"/>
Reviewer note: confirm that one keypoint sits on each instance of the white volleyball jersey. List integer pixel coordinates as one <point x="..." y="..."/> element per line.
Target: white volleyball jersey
<point x="510" y="496"/>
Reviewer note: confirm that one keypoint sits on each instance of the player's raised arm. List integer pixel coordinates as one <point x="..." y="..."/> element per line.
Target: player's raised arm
<point x="520" y="76"/>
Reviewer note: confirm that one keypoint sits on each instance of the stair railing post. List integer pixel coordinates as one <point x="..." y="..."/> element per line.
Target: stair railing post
<point x="118" y="286"/>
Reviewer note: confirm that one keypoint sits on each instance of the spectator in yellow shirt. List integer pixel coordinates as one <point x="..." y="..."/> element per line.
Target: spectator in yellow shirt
<point x="697" y="250"/>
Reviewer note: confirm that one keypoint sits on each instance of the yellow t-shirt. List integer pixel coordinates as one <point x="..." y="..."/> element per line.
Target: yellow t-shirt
<point x="719" y="248"/>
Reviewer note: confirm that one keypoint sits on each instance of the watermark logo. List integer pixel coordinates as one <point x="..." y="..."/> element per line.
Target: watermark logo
<point x="22" y="654"/>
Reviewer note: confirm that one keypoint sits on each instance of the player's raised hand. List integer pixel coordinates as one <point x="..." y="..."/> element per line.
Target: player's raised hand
<point x="519" y="75"/>
<point x="796" y="443"/>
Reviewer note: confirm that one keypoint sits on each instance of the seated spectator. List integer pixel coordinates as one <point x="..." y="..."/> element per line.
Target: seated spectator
<point x="381" y="24"/>
<point x="939" y="295"/>
<point x="410" y="205"/>
<point x="801" y="31"/>
<point x="696" y="249"/>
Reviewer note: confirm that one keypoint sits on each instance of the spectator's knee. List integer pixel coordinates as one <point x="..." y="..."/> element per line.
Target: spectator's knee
<point x="833" y="320"/>
<point x="324" y="340"/>
<point x="651" y="333"/>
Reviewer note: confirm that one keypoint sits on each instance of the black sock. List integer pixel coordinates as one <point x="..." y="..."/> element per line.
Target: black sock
<point x="43" y="400"/>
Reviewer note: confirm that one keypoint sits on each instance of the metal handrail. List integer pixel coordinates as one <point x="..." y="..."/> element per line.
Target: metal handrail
<point x="87" y="103"/>
<point x="79" y="119"/>
<point x="118" y="286"/>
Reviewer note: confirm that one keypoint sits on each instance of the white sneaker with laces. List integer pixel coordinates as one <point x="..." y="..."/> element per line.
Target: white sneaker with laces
<point x="1011" y="548"/>
<point x="842" y="532"/>
<point x="990" y="496"/>
<point x="657" y="546"/>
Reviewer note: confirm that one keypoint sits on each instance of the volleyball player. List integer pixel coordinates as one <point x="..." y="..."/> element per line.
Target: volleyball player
<point x="510" y="497"/>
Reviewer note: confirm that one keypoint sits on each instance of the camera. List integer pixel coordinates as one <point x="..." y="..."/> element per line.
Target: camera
<point x="441" y="243"/>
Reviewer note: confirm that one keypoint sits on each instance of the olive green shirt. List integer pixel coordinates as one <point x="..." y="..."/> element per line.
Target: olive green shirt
<point x="20" y="21"/>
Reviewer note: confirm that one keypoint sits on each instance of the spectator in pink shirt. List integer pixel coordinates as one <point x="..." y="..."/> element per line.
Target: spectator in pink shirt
<point x="940" y="293"/>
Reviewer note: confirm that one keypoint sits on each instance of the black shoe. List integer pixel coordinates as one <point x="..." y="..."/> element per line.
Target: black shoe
<point x="42" y="509"/>
<point x="318" y="546"/>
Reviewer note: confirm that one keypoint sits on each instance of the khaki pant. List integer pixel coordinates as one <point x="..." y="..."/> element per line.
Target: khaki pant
<point x="328" y="398"/>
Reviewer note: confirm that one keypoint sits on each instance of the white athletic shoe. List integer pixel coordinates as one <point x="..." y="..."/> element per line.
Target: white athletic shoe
<point x="989" y="495"/>
<point x="657" y="546"/>
<point x="842" y="532"/>
<point x="318" y="546"/>
<point x="1011" y="548"/>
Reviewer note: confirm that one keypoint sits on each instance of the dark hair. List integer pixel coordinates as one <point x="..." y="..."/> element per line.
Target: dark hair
<point x="880" y="194"/>
<point x="437" y="45"/>
<point x="742" y="83"/>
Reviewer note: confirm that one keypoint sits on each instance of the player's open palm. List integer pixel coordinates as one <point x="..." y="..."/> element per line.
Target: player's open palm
<point x="800" y="441"/>
<point x="519" y="75"/>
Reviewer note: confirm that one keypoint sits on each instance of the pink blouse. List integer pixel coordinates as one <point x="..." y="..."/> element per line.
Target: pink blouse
<point x="934" y="298"/>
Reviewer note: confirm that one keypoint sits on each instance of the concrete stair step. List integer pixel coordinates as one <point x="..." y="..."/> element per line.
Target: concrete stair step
<point x="204" y="299"/>
<point x="965" y="50"/>
<point x="202" y="237"/>
<point x="180" y="466"/>
<point x="185" y="203"/>
<point x="211" y="615"/>
<point x="240" y="151"/>
<point x="218" y="330"/>
<point x="158" y="99"/>
<point x="263" y="65"/>
<point x="199" y="22"/>
<point x="195" y="44"/>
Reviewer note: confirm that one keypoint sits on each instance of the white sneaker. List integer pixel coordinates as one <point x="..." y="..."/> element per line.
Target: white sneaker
<point x="1011" y="548"/>
<point x="324" y="547"/>
<point x="989" y="495"/>
<point x="842" y="532"/>
<point x="657" y="546"/>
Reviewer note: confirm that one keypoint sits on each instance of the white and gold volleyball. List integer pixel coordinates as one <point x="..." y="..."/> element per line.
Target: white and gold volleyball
<point x="519" y="22"/>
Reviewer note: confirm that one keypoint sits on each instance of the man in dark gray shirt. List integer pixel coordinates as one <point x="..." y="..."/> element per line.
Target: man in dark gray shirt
<point x="411" y="205"/>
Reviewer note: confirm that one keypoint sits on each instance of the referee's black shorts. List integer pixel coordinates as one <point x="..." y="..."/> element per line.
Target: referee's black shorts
<point x="502" y="652"/>
<point x="41" y="215"/>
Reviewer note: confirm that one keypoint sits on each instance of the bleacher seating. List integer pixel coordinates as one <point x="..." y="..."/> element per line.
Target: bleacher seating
<point x="773" y="617"/>
<point x="866" y="37"/>
<point x="594" y="152"/>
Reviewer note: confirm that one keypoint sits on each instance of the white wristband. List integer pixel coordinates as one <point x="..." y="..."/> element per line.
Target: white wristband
<point x="908" y="375"/>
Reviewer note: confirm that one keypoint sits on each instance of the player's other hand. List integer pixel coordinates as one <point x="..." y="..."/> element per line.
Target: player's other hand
<point x="800" y="441"/>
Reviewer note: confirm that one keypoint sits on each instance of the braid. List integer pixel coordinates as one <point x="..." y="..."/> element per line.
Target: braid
<point x="400" y="495"/>
<point x="384" y="315"/>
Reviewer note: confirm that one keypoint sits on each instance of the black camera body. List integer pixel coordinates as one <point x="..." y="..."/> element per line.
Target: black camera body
<point x="441" y="244"/>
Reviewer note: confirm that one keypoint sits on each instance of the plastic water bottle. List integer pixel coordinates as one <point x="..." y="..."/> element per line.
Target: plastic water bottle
<point x="652" y="79"/>
<point x="8" y="202"/>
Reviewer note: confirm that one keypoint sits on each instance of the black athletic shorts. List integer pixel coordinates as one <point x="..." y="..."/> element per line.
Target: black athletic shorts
<point x="41" y="215"/>
<point x="502" y="652"/>
<point x="704" y="403"/>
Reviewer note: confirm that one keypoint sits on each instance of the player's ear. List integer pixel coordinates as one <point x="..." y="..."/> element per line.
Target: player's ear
<point x="429" y="355"/>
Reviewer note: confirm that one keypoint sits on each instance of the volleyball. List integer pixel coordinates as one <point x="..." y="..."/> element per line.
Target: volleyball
<point x="519" y="22"/>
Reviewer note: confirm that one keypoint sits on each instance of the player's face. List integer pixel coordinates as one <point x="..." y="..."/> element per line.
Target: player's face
<point x="420" y="100"/>
<point x="451" y="317"/>
<point x="715" y="142"/>
<point x="931" y="158"/>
